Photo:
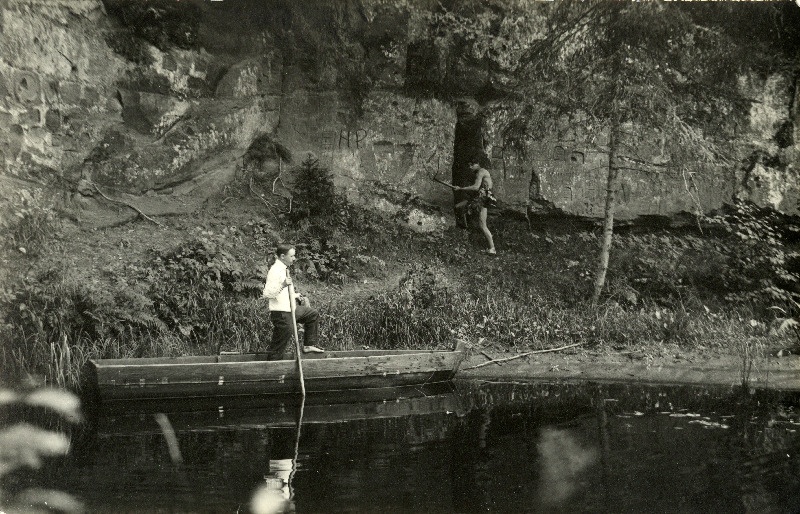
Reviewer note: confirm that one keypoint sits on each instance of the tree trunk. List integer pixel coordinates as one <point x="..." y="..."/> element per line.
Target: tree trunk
<point x="608" y="219"/>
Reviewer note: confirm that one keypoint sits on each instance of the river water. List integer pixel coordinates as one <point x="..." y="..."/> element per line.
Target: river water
<point x="462" y="447"/>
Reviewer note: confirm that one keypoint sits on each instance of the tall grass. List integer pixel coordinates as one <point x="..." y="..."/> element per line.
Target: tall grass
<point x="51" y="345"/>
<point x="199" y="298"/>
<point x="393" y="320"/>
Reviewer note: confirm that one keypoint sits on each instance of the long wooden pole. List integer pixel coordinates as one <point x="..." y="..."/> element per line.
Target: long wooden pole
<point x="296" y="338"/>
<point x="302" y="389"/>
<point x="451" y="186"/>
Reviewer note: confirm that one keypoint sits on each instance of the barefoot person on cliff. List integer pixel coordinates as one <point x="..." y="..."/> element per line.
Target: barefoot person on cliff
<point x="481" y="200"/>
<point x="276" y="289"/>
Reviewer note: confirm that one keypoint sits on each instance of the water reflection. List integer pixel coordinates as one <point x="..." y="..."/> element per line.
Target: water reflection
<point x="646" y="449"/>
<point x="276" y="494"/>
<point x="472" y="447"/>
<point x="564" y="463"/>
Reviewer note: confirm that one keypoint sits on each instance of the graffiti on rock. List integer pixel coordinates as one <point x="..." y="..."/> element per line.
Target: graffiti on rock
<point x="330" y="140"/>
<point x="348" y="139"/>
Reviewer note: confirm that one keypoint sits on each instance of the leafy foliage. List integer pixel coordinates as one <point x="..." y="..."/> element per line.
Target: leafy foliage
<point x="409" y="317"/>
<point x="79" y="311"/>
<point x="669" y="269"/>
<point x="498" y="33"/>
<point x="189" y="280"/>
<point x="52" y="321"/>
<point x="421" y="286"/>
<point x="427" y="310"/>
<point x="762" y="268"/>
<point x="323" y="260"/>
<point x="28" y="446"/>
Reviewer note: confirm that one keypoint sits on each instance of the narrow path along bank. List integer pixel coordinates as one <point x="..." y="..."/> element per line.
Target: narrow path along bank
<point x="772" y="373"/>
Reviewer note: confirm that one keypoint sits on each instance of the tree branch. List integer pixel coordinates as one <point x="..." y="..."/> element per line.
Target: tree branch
<point x="498" y="361"/>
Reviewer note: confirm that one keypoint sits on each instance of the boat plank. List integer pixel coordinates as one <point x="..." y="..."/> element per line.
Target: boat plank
<point x="273" y="414"/>
<point x="288" y="386"/>
<point x="224" y="375"/>
<point x="266" y="370"/>
<point x="248" y="357"/>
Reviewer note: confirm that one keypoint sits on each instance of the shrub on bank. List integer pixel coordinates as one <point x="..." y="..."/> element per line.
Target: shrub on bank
<point x="425" y="311"/>
<point x="27" y="221"/>
<point x="55" y="322"/>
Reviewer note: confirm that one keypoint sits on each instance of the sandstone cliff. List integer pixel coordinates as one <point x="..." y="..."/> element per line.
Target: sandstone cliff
<point x="160" y="104"/>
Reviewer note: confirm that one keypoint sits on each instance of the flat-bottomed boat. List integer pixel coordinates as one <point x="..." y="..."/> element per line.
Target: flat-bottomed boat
<point x="248" y="374"/>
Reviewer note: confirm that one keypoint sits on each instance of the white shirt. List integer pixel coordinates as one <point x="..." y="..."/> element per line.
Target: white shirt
<point x="274" y="290"/>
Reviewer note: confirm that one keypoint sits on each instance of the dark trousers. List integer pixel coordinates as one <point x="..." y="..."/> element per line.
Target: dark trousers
<point x="283" y="332"/>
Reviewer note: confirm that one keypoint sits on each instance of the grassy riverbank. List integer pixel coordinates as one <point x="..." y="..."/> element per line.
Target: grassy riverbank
<point x="192" y="286"/>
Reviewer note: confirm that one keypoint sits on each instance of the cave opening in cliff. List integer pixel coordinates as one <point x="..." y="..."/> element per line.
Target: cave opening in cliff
<point x="468" y="143"/>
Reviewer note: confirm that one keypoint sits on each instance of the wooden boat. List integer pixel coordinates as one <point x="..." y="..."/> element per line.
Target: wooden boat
<point x="248" y="374"/>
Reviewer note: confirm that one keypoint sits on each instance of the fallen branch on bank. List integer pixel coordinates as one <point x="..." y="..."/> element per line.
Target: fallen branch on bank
<point x="143" y="215"/>
<point x="498" y="361"/>
<point x="489" y="357"/>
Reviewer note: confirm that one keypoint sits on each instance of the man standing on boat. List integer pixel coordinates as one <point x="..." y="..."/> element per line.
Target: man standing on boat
<point x="276" y="290"/>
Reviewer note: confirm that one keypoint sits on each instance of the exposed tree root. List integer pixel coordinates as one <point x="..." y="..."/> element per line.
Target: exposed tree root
<point x="143" y="215"/>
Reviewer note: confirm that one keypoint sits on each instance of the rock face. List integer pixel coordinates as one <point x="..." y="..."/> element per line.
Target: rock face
<point x="162" y="96"/>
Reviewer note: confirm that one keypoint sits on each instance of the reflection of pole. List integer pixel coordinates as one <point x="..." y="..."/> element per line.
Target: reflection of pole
<point x="486" y="419"/>
<point x="296" y="448"/>
<point x="605" y="455"/>
<point x="483" y="478"/>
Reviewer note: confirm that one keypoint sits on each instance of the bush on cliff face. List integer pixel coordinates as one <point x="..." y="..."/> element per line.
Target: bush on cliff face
<point x="263" y="149"/>
<point x="162" y="23"/>
<point x="130" y="47"/>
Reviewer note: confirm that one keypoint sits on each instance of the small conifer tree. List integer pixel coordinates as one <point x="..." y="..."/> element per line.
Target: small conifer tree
<point x="314" y="192"/>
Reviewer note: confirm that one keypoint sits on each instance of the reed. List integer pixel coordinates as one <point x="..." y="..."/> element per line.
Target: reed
<point x="751" y="352"/>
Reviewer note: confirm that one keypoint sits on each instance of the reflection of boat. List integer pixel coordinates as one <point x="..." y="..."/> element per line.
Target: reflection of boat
<point x="243" y="374"/>
<point x="274" y="411"/>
